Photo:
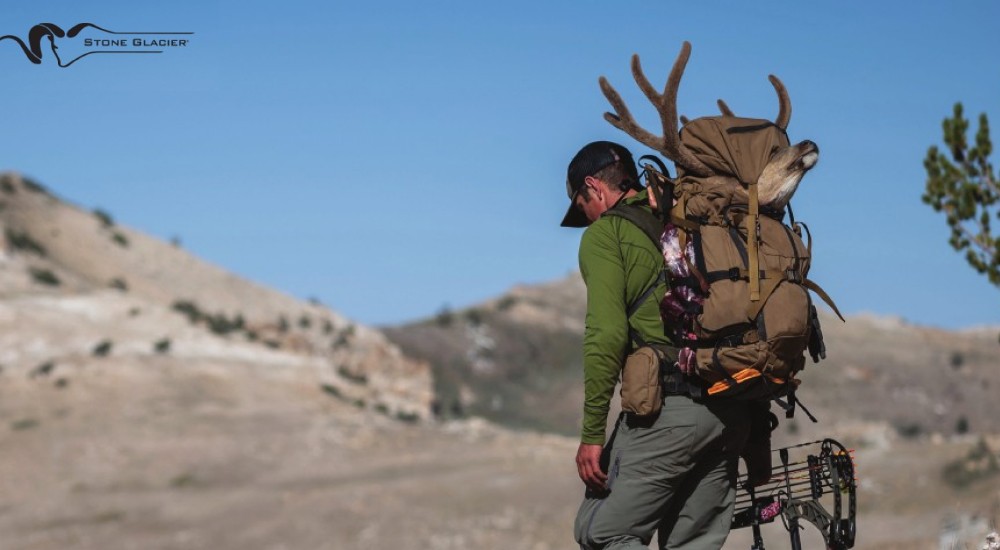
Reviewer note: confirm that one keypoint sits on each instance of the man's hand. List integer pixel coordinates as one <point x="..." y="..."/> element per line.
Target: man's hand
<point x="588" y="465"/>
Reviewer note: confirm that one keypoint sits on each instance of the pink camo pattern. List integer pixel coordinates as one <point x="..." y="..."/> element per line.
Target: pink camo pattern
<point x="770" y="511"/>
<point x="681" y="303"/>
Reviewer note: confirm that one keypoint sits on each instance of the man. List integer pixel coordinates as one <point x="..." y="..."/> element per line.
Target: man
<point x="676" y="471"/>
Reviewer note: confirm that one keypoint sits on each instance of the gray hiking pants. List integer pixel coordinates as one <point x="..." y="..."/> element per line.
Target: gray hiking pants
<point x="675" y="473"/>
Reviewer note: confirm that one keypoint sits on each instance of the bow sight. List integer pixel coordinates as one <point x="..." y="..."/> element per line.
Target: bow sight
<point x="798" y="490"/>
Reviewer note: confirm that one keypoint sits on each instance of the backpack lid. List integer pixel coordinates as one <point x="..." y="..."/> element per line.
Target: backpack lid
<point x="736" y="146"/>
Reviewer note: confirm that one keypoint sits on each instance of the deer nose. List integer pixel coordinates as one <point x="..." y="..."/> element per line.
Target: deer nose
<point x="809" y="145"/>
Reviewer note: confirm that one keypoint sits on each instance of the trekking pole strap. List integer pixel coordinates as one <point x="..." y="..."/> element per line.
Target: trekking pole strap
<point x="808" y="283"/>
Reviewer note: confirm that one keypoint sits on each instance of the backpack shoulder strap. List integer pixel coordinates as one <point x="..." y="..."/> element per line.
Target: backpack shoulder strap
<point x="652" y="227"/>
<point x="641" y="218"/>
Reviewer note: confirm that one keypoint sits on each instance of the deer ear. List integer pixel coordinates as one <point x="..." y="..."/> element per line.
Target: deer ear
<point x="784" y="103"/>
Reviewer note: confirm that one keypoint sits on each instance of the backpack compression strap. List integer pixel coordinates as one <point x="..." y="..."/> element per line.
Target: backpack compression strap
<point x="752" y="264"/>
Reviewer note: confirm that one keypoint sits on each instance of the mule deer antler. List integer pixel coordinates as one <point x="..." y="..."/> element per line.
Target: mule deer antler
<point x="666" y="105"/>
<point x="784" y="104"/>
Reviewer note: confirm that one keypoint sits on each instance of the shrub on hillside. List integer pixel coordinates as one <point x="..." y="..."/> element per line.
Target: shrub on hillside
<point x="189" y="309"/>
<point x="408" y="417"/>
<point x="506" y="303"/>
<point x="222" y="325"/>
<point x="102" y="349"/>
<point x="44" y="369"/>
<point x="474" y="317"/>
<point x="218" y="323"/>
<point x="344" y="338"/>
<point x="34" y="186"/>
<point x="104" y="218"/>
<point x="357" y="378"/>
<point x="977" y="465"/>
<point x="332" y="390"/>
<point x="444" y="317"/>
<point x="909" y="430"/>
<point x="44" y="277"/>
<point x="118" y="284"/>
<point x="24" y="424"/>
<point x="962" y="425"/>
<point x="23" y="241"/>
<point x="120" y="239"/>
<point x="162" y="346"/>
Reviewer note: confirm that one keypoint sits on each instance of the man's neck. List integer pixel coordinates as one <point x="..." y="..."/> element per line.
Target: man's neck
<point x="627" y="194"/>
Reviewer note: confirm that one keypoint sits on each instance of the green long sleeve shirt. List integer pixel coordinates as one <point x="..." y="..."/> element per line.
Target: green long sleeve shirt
<point x="618" y="263"/>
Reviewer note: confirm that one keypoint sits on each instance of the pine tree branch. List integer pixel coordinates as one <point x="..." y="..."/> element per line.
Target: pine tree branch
<point x="976" y="240"/>
<point x="991" y="183"/>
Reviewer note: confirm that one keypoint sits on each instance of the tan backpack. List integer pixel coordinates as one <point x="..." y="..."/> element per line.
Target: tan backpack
<point x="750" y="334"/>
<point x="753" y="319"/>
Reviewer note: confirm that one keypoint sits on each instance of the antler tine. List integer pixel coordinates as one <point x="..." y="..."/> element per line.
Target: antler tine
<point x="640" y="78"/>
<point x="623" y="119"/>
<point x="673" y="148"/>
<point x="784" y="103"/>
<point x="724" y="109"/>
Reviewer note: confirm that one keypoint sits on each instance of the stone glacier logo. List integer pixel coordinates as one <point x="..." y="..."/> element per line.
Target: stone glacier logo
<point x="85" y="39"/>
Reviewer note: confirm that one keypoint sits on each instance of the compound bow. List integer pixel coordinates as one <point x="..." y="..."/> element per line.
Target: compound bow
<point x="794" y="492"/>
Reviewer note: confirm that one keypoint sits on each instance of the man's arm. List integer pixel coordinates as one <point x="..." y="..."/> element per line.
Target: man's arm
<point x="606" y="337"/>
<point x="604" y="343"/>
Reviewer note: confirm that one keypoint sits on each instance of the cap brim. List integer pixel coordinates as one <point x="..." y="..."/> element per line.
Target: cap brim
<point x="574" y="218"/>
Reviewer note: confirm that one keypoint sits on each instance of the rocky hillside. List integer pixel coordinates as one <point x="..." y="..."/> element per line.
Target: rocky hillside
<point x="77" y="288"/>
<point x="516" y="359"/>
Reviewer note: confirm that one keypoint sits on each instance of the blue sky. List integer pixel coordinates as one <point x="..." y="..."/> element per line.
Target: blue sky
<point x="389" y="158"/>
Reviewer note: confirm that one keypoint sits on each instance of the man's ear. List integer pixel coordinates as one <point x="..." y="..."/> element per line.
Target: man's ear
<point x="597" y="188"/>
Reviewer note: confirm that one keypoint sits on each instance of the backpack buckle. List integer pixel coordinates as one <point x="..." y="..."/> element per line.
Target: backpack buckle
<point x="793" y="275"/>
<point x="734" y="274"/>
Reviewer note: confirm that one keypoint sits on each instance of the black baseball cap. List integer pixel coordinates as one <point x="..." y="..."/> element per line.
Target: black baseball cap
<point x="591" y="159"/>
